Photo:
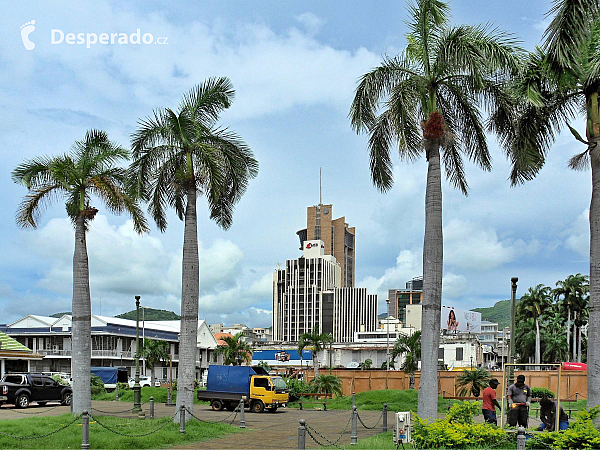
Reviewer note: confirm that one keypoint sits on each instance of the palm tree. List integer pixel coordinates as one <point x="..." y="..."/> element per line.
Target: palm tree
<point x="567" y="292"/>
<point x="317" y="341"/>
<point x="525" y="339"/>
<point x="179" y="155"/>
<point x="329" y="384"/>
<point x="155" y="352"/>
<point x="235" y="350"/>
<point x="88" y="170"/>
<point x="410" y="347"/>
<point x="473" y="380"/>
<point x="427" y="99"/>
<point x="562" y="81"/>
<point x="533" y="304"/>
<point x="554" y="341"/>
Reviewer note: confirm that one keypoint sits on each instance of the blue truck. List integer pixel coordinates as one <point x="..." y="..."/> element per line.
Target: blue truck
<point x="110" y="376"/>
<point x="227" y="385"/>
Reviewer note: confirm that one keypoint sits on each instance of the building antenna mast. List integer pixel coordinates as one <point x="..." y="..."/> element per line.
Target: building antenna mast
<point x="320" y="186"/>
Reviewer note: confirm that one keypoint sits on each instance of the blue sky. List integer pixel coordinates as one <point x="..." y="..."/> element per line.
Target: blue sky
<point x="294" y="66"/>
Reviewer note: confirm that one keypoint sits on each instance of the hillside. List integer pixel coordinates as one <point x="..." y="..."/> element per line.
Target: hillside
<point x="499" y="313"/>
<point x="59" y="315"/>
<point x="151" y="314"/>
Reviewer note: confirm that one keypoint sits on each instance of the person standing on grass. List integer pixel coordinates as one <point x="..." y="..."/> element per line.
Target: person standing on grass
<point x="519" y="399"/>
<point x="490" y="403"/>
<point x="548" y="416"/>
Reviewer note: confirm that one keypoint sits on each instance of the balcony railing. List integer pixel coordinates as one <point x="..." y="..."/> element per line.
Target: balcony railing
<point x="95" y="353"/>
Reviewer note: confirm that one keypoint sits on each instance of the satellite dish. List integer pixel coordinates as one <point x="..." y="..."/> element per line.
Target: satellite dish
<point x="352" y="365"/>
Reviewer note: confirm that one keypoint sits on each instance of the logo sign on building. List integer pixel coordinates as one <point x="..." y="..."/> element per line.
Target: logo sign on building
<point x="275" y="358"/>
<point x="314" y="249"/>
<point x="460" y="320"/>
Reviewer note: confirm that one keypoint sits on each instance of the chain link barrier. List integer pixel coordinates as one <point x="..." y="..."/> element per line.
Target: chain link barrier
<point x="169" y="422"/>
<point x="363" y="424"/>
<point x="35" y="412"/>
<point x="119" y="412"/>
<point x="310" y="429"/>
<point x="235" y="411"/>
<point x="533" y="436"/>
<point x="42" y="435"/>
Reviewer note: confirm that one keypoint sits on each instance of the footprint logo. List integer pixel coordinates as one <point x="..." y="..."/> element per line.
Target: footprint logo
<point x="26" y="30"/>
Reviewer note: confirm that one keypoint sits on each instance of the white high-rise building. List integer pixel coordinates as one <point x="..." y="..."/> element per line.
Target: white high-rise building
<point x="307" y="293"/>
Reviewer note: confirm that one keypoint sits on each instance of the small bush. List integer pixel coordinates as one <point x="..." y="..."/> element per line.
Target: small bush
<point x="97" y="385"/>
<point x="297" y="388"/>
<point x="580" y="434"/>
<point x="458" y="430"/>
<point x="123" y="387"/>
<point x="59" y="380"/>
<point x="539" y="392"/>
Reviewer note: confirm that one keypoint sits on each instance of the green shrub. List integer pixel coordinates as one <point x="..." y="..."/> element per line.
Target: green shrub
<point x="297" y="388"/>
<point x="123" y="387"/>
<point x="458" y="430"/>
<point x="59" y="380"/>
<point x="97" y="385"/>
<point x="581" y="434"/>
<point x="539" y="392"/>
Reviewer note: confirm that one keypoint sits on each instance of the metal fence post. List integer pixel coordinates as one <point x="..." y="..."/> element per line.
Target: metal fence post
<point x="85" y="430"/>
<point x="302" y="435"/>
<point x="385" y="411"/>
<point x="117" y="392"/>
<point x="354" y="436"/>
<point x="353" y="400"/>
<point x="521" y="439"/>
<point x="325" y="403"/>
<point x="242" y="416"/>
<point x="182" y="419"/>
<point x="300" y="403"/>
<point x="152" y="407"/>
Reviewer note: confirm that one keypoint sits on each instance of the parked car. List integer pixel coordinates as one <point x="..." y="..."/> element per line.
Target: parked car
<point x="22" y="389"/>
<point x="144" y="381"/>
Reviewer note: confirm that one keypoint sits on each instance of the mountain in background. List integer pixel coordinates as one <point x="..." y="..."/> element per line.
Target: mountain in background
<point x="151" y="314"/>
<point x="499" y="313"/>
<point x="59" y="315"/>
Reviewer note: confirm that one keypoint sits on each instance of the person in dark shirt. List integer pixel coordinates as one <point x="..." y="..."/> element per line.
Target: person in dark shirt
<point x="548" y="416"/>
<point x="490" y="403"/>
<point x="519" y="399"/>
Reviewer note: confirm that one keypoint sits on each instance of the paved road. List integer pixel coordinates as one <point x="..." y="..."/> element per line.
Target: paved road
<point x="263" y="431"/>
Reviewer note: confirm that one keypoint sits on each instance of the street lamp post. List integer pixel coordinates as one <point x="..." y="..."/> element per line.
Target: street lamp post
<point x="137" y="389"/>
<point x="144" y="338"/>
<point x="387" y="343"/>
<point x="511" y="349"/>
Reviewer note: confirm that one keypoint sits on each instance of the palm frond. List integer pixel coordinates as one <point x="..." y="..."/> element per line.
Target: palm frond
<point x="207" y="100"/>
<point x="35" y="203"/>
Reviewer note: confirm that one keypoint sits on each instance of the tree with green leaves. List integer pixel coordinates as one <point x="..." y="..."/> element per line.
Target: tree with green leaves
<point x="569" y="293"/>
<point x="410" y="347"/>
<point x="328" y="384"/>
<point x="235" y="350"/>
<point x="88" y="170"/>
<point x="561" y="82"/>
<point x="179" y="155"/>
<point x="316" y="342"/>
<point x="155" y="352"/>
<point x="472" y="380"/>
<point x="428" y="101"/>
<point x="532" y="304"/>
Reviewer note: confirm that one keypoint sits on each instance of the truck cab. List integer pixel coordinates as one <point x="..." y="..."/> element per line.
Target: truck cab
<point x="271" y="391"/>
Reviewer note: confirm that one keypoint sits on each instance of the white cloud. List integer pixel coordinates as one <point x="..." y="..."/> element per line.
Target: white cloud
<point x="453" y="285"/>
<point x="311" y="22"/>
<point x="579" y="234"/>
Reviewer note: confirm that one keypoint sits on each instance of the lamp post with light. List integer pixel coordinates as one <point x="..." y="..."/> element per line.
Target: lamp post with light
<point x="387" y="344"/>
<point x="137" y="389"/>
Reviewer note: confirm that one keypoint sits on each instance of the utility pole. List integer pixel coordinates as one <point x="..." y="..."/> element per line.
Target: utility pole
<point x="137" y="389"/>
<point x="513" y="309"/>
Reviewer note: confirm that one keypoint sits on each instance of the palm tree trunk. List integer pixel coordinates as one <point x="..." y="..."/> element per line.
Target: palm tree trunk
<point x="537" y="343"/>
<point x="433" y="249"/>
<point x="81" y="329"/>
<point x="568" y="330"/>
<point x="574" y="336"/>
<point x="579" y="346"/>
<point x="316" y="364"/>
<point x="593" y="348"/>
<point x="190" y="292"/>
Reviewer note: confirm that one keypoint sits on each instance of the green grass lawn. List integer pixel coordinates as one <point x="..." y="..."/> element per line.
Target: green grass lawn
<point x="160" y="395"/>
<point x="397" y="400"/>
<point x="102" y="438"/>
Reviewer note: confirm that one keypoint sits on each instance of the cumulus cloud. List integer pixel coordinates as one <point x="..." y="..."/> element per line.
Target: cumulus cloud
<point x="453" y="285"/>
<point x="311" y="22"/>
<point x="578" y="234"/>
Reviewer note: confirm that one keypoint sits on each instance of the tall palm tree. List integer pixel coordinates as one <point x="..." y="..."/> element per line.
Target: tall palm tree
<point x="410" y="347"/>
<point x="154" y="352"/>
<point x="88" y="170"/>
<point x="533" y="304"/>
<point x="235" y="350"/>
<point x="525" y="339"/>
<point x="561" y="82"/>
<point x="317" y="342"/>
<point x="567" y="292"/>
<point x="427" y="100"/>
<point x="554" y="341"/>
<point x="179" y="155"/>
